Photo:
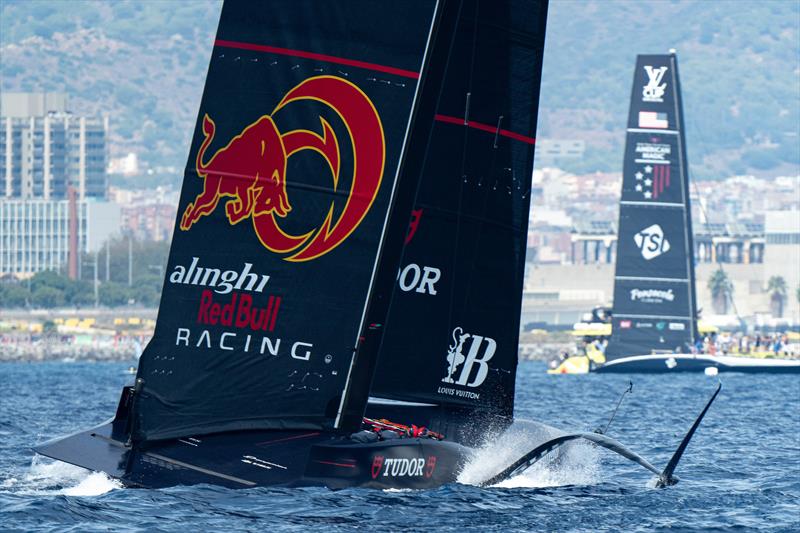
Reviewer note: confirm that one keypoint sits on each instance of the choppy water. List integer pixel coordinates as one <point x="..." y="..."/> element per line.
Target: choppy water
<point x="742" y="470"/>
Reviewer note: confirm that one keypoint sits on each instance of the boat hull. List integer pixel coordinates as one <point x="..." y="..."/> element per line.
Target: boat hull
<point x="260" y="458"/>
<point x="672" y="363"/>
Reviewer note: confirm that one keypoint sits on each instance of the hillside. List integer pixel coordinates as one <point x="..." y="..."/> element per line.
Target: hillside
<point x="144" y="63"/>
<point x="740" y="73"/>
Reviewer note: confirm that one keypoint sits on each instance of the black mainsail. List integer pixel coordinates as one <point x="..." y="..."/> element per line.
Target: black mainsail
<point x="283" y="210"/>
<point x="654" y="294"/>
<point x="451" y="336"/>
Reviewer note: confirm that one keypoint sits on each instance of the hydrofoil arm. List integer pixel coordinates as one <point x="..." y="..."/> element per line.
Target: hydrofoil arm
<point x="665" y="477"/>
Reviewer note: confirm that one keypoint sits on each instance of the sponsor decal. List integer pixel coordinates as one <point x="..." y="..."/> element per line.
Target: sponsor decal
<point x="418" y="279"/>
<point x="661" y="325"/>
<point x="460" y="367"/>
<point x="402" y="467"/>
<point x="416" y="216"/>
<point x="671" y="363"/>
<point x="651" y="242"/>
<point x="643" y="325"/>
<point x="625" y="324"/>
<point x="260" y="463"/>
<point x="230" y="341"/>
<point x="652" y="152"/>
<point x="221" y="281"/>
<point x="430" y="466"/>
<point x="656" y="296"/>
<point x="653" y="91"/>
<point x="239" y="312"/>
<point x="653" y="119"/>
<point x="377" y="464"/>
<point x="249" y="173"/>
<point x="652" y="180"/>
<point x="677" y="326"/>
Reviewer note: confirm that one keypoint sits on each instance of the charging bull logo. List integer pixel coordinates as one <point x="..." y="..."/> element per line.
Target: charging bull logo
<point x="250" y="171"/>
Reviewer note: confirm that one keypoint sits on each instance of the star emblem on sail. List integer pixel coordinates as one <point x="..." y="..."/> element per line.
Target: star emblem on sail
<point x="652" y="180"/>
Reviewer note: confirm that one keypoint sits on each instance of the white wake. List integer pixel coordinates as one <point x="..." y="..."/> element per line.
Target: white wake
<point x="575" y="463"/>
<point x="48" y="477"/>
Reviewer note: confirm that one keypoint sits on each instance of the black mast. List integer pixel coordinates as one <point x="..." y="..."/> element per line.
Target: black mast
<point x="365" y="358"/>
<point x="690" y="256"/>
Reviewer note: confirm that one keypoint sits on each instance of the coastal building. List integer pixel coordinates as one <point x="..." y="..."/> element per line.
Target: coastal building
<point x="35" y="233"/>
<point x="147" y="214"/>
<point x="782" y="255"/>
<point x="595" y="241"/>
<point x="46" y="151"/>
<point x="44" y="148"/>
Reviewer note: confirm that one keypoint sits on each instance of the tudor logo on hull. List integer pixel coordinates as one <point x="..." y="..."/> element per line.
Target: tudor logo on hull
<point x="401" y="467"/>
<point x="249" y="173"/>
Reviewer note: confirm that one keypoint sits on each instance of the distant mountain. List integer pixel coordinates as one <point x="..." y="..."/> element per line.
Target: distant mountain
<point x="144" y="64"/>
<point x="739" y="63"/>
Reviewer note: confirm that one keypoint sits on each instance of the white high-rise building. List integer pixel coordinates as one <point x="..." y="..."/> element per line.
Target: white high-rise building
<point x="44" y="148"/>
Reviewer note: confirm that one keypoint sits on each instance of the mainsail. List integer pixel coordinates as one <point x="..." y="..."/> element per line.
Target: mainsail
<point x="451" y="336"/>
<point x="654" y="295"/>
<point x="283" y="210"/>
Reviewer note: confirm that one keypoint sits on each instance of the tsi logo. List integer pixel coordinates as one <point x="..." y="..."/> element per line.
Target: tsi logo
<point x="481" y="350"/>
<point x="654" y="90"/>
<point x="651" y="242"/>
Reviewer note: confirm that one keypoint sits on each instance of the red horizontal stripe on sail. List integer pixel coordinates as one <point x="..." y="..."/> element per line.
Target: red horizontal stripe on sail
<point x="485" y="127"/>
<point x="318" y="57"/>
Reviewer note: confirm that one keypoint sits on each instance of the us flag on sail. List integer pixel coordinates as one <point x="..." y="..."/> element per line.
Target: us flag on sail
<point x="652" y="180"/>
<point x="652" y="119"/>
<point x="660" y="179"/>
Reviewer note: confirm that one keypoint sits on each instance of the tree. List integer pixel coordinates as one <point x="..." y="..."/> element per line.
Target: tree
<point x="776" y="287"/>
<point x="113" y="294"/>
<point x="47" y="297"/>
<point x="12" y="295"/>
<point x="721" y="291"/>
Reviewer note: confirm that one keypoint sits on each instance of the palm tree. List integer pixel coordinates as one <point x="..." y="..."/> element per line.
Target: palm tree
<point x="721" y="291"/>
<point x="776" y="287"/>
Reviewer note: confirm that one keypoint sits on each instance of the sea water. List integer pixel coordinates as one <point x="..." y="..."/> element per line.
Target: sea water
<point x="741" y="471"/>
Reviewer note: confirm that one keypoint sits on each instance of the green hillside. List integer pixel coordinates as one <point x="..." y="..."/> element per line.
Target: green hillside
<point x="144" y="63"/>
<point x="740" y="71"/>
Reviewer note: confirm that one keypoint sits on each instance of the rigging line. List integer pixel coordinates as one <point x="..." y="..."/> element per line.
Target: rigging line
<point x="463" y="177"/>
<point x="693" y="181"/>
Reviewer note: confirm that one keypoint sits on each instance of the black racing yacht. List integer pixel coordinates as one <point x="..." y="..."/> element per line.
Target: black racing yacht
<point x="343" y="292"/>
<point x="654" y="325"/>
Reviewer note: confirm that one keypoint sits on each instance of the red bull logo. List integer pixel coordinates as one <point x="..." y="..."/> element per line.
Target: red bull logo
<point x="249" y="173"/>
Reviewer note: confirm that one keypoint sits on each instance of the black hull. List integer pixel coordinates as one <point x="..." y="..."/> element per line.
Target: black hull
<point x="672" y="363"/>
<point x="260" y="458"/>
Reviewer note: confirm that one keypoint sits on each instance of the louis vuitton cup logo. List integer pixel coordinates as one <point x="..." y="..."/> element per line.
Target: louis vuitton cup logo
<point x="460" y="367"/>
<point x="654" y="90"/>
